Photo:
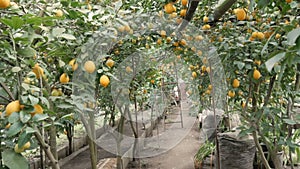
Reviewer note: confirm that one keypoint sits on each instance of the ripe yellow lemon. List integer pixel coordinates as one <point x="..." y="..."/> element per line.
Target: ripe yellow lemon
<point x="260" y="35"/>
<point x="7" y="126"/>
<point x="231" y="93"/>
<point x="235" y="83"/>
<point x="158" y="42"/>
<point x="205" y="19"/>
<point x="4" y="4"/>
<point x="59" y="13"/>
<point x="38" y="71"/>
<point x="183" y="42"/>
<point x="89" y="66"/>
<point x="152" y="81"/>
<point x="184" y="2"/>
<point x="110" y="63"/>
<point x="288" y="1"/>
<point x="169" y="8"/>
<point x="128" y="69"/>
<point x="26" y="145"/>
<point x="169" y="39"/>
<point x="240" y="14"/>
<point x="73" y="64"/>
<point x="256" y="74"/>
<point x="13" y="106"/>
<point x="254" y="34"/>
<point x="183" y="13"/>
<point x="104" y="81"/>
<point x="163" y="33"/>
<point x="17" y="149"/>
<point x="194" y="74"/>
<point x="64" y="78"/>
<point x="206" y="27"/>
<point x="258" y="62"/>
<point x="37" y="110"/>
<point x="277" y="36"/>
<point x="209" y="87"/>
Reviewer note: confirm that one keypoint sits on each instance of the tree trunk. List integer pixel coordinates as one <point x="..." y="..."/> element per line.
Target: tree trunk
<point x="52" y="141"/>
<point x="276" y="160"/>
<point x="93" y="152"/>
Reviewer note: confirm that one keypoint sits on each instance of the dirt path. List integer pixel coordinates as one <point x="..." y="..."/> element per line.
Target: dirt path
<point x="180" y="157"/>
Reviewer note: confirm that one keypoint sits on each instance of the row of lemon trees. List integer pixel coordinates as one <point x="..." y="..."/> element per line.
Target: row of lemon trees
<point x="257" y="42"/>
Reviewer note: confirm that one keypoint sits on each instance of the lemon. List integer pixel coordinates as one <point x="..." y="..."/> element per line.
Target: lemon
<point x="59" y="13"/>
<point x="89" y="66"/>
<point x="128" y="69"/>
<point x="73" y="64"/>
<point x="37" y="110"/>
<point x="235" y="83"/>
<point x="17" y="149"/>
<point x="231" y="93"/>
<point x="194" y="74"/>
<point x="64" y="78"/>
<point x="256" y="74"/>
<point x="104" y="81"/>
<point x="260" y="35"/>
<point x="184" y="2"/>
<point x="7" y="126"/>
<point x="4" y="4"/>
<point x="38" y="71"/>
<point x="13" y="106"/>
<point x="163" y="33"/>
<point x="110" y="63"/>
<point x="240" y="14"/>
<point x="183" y="13"/>
<point x="183" y="42"/>
<point x="27" y="145"/>
<point x="206" y="27"/>
<point x="169" y="8"/>
<point x="205" y="19"/>
<point x="288" y="1"/>
<point x="152" y="81"/>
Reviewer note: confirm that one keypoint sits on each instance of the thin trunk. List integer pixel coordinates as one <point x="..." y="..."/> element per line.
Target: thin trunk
<point x="222" y="8"/>
<point x="260" y="150"/>
<point x="91" y="140"/>
<point x="120" y="138"/>
<point x="52" y="141"/>
<point x="46" y="148"/>
<point x="93" y="152"/>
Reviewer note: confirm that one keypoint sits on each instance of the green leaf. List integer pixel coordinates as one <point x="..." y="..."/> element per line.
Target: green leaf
<point x="118" y="5"/>
<point x="14" y="117"/>
<point x="58" y="31"/>
<point x="263" y="3"/>
<point x="271" y="62"/>
<point x="40" y="117"/>
<point x="24" y="117"/>
<point x="23" y="138"/>
<point x="45" y="101"/>
<point x="14" y="160"/>
<point x="15" y="129"/>
<point x="65" y="106"/>
<point x="33" y="100"/>
<point x="289" y="121"/>
<point x="292" y="36"/>
<point x="16" y="69"/>
<point x="14" y="22"/>
<point x="67" y="36"/>
<point x="239" y="64"/>
<point x="29" y="130"/>
<point x="27" y="52"/>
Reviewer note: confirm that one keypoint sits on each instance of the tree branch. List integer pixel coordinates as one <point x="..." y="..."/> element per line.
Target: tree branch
<point x="7" y="91"/>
